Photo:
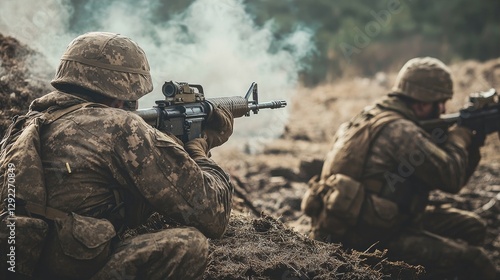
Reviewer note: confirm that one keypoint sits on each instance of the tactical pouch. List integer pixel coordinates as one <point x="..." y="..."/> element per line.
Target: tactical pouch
<point x="345" y="199"/>
<point x="84" y="238"/>
<point x="79" y="246"/>
<point x="335" y="203"/>
<point x="22" y="240"/>
<point x="312" y="203"/>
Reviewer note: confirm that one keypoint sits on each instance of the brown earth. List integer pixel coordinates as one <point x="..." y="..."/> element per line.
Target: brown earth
<point x="18" y="85"/>
<point x="266" y="235"/>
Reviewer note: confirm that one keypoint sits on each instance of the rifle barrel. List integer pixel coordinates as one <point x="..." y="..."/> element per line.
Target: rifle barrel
<point x="268" y="105"/>
<point x="149" y="115"/>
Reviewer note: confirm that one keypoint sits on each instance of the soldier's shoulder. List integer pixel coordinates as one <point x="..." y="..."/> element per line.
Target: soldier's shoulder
<point x="401" y="128"/>
<point x="403" y="123"/>
<point x="111" y="114"/>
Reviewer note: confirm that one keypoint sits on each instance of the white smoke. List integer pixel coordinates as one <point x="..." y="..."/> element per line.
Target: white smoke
<point x="214" y="43"/>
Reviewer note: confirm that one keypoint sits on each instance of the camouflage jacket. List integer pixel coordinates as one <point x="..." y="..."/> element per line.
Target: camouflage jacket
<point x="403" y="162"/>
<point x="91" y="152"/>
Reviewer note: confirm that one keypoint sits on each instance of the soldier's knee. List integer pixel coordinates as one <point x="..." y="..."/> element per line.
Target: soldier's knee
<point x="190" y="249"/>
<point x="190" y="241"/>
<point x="197" y="243"/>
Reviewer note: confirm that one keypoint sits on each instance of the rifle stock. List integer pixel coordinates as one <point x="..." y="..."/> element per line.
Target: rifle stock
<point x="185" y="110"/>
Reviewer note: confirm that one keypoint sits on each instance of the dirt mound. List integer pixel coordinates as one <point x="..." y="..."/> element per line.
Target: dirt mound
<point x="264" y="248"/>
<point x="18" y="84"/>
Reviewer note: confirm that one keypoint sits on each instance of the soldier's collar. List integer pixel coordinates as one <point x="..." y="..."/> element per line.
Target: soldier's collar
<point x="395" y="104"/>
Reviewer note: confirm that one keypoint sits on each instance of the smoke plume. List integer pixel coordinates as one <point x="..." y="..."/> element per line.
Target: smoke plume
<point x="214" y="43"/>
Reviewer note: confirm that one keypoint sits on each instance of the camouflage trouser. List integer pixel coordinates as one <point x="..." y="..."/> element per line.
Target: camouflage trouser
<point x="446" y="247"/>
<point x="180" y="253"/>
<point x="455" y="224"/>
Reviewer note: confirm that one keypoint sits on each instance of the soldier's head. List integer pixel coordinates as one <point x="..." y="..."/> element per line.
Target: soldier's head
<point x="104" y="66"/>
<point x="426" y="84"/>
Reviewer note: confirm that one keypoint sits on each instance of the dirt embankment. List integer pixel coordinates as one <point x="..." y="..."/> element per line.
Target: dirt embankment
<point x="18" y="85"/>
<point x="273" y="181"/>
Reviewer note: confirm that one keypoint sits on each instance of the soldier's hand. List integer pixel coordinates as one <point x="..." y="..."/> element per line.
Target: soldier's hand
<point x="197" y="148"/>
<point x="219" y="127"/>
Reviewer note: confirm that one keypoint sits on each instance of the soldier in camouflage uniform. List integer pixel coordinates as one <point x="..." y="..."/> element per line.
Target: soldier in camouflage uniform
<point x="375" y="182"/>
<point x="106" y="169"/>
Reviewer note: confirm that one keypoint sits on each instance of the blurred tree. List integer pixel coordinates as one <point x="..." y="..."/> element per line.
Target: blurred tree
<point x="363" y="37"/>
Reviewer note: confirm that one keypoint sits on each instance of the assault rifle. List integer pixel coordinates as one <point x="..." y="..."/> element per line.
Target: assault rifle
<point x="481" y="115"/>
<point x="185" y="108"/>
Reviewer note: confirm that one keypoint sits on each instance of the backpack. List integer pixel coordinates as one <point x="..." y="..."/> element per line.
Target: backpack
<point x="23" y="211"/>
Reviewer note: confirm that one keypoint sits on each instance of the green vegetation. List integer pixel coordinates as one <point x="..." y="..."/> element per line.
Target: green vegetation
<point x="363" y="37"/>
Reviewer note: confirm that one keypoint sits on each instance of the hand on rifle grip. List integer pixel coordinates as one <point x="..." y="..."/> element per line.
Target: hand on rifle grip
<point x="219" y="128"/>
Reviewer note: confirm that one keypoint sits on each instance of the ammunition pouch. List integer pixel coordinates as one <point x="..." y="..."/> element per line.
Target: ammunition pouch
<point x="334" y="203"/>
<point x="312" y="202"/>
<point x="340" y="204"/>
<point x="79" y="246"/>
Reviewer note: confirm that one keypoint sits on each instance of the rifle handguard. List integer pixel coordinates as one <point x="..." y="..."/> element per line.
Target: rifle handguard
<point x="237" y="105"/>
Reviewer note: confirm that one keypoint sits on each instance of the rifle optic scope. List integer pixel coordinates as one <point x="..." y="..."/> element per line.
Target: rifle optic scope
<point x="171" y="89"/>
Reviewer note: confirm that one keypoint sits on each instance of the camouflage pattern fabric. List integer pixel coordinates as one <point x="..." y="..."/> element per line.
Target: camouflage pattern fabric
<point x="91" y="152"/>
<point x="109" y="64"/>
<point x="453" y="223"/>
<point x="30" y="233"/>
<point x="179" y="253"/>
<point x="425" y="79"/>
<point x="447" y="244"/>
<point x="403" y="164"/>
<point x="443" y="258"/>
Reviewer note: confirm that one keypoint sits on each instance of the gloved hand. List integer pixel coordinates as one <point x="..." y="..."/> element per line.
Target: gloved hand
<point x="219" y="127"/>
<point x="460" y="136"/>
<point x="197" y="148"/>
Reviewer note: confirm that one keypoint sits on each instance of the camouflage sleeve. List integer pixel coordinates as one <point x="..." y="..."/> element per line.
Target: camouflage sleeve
<point x="197" y="193"/>
<point x="437" y="160"/>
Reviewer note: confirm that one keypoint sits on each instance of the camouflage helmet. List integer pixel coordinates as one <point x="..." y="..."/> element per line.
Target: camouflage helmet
<point x="424" y="79"/>
<point x="106" y="63"/>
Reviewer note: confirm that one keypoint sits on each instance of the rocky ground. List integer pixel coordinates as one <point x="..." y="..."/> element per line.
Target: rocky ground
<point x="266" y="235"/>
